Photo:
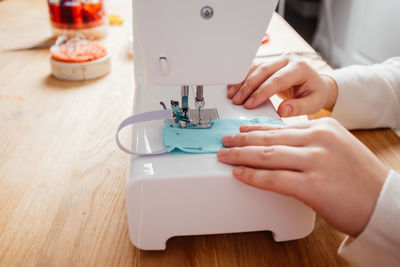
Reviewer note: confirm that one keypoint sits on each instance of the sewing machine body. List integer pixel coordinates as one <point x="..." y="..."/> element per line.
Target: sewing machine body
<point x="177" y="194"/>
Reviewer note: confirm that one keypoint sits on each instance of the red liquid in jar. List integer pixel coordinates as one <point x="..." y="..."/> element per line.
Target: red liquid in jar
<point x="76" y="14"/>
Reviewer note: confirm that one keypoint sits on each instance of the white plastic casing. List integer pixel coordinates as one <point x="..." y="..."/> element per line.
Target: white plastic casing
<point x="213" y="51"/>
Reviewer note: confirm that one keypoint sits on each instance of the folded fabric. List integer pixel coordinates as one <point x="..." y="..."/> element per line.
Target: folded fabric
<point x="205" y="140"/>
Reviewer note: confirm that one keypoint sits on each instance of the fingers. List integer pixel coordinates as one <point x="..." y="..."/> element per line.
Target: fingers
<point x="268" y="127"/>
<point x="233" y="88"/>
<point x="261" y="127"/>
<point x="261" y="157"/>
<point x="256" y="78"/>
<point x="295" y="73"/>
<point x="282" y="182"/>
<point x="288" y="137"/>
<point x="305" y="91"/>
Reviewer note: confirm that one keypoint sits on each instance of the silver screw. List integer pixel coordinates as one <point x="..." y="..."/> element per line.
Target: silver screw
<point x="207" y="12"/>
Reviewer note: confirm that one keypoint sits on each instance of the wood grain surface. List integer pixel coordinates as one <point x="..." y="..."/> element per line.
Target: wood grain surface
<point x="62" y="178"/>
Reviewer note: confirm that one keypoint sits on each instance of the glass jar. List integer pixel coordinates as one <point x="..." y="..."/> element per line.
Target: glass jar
<point x="70" y="17"/>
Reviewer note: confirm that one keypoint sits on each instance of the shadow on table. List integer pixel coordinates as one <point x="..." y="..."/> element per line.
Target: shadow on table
<point x="53" y="83"/>
<point x="247" y="249"/>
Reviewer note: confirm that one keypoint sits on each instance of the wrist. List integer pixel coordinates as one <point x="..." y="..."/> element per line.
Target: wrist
<point x="331" y="90"/>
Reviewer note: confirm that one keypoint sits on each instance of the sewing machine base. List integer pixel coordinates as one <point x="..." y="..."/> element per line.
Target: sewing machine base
<point x="178" y="206"/>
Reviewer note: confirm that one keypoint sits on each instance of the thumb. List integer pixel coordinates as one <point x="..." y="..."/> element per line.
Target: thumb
<point x="298" y="106"/>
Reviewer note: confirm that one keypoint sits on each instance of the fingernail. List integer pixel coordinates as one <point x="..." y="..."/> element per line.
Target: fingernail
<point x="223" y="152"/>
<point x="287" y="110"/>
<point x="228" y="139"/>
<point x="249" y="101"/>
<point x="237" y="96"/>
<point x="237" y="171"/>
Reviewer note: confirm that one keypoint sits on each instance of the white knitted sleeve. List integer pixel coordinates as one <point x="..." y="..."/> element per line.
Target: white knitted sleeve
<point x="379" y="243"/>
<point x="368" y="96"/>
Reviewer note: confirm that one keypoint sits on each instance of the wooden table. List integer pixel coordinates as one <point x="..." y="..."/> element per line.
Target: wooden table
<point x="62" y="178"/>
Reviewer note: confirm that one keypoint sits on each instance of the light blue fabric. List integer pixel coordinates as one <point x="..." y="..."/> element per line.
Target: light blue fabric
<point x="205" y="140"/>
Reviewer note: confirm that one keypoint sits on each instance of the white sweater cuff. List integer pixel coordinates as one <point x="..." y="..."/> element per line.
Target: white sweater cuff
<point x="365" y="99"/>
<point x="379" y="243"/>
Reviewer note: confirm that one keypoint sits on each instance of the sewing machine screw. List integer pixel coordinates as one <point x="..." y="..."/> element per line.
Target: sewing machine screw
<point x="207" y="12"/>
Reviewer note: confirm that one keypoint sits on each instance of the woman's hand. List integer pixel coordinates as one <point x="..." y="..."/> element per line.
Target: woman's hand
<point x="318" y="162"/>
<point x="305" y="91"/>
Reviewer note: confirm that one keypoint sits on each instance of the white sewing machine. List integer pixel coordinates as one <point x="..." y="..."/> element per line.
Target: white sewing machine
<point x="179" y="47"/>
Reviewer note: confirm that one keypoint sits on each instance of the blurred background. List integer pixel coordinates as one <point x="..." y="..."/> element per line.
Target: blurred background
<point x="347" y="32"/>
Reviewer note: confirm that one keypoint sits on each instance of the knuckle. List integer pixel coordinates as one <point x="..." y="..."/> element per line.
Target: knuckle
<point x="265" y="139"/>
<point x="249" y="175"/>
<point x="274" y="84"/>
<point x="265" y="66"/>
<point x="244" y="85"/>
<point x="266" y="153"/>
<point x="300" y="64"/>
<point x="276" y="80"/>
<point x="266" y="136"/>
<point x="264" y="91"/>
<point x="324" y="132"/>
<point x="234" y="153"/>
<point x="329" y="120"/>
<point x="257" y="94"/>
<point x="268" y="181"/>
<point x="247" y="85"/>
<point x="317" y="155"/>
<point x="241" y="138"/>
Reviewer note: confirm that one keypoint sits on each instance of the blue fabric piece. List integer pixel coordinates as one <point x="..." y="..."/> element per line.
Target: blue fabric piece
<point x="205" y="140"/>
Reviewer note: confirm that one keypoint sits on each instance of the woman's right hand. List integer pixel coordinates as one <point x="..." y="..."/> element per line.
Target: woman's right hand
<point x="305" y="91"/>
<point x="318" y="162"/>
